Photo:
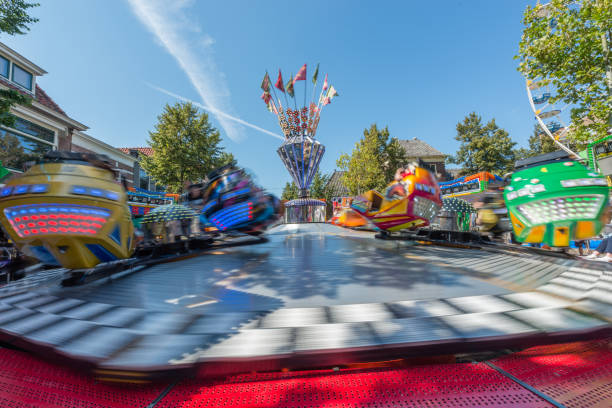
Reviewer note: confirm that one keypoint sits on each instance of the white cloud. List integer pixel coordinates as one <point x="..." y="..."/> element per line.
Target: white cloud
<point x="217" y="112"/>
<point x="169" y="22"/>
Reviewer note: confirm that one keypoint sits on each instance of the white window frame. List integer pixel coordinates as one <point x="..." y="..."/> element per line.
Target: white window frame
<point x="8" y="74"/>
<point x="12" y="68"/>
<point x="20" y="133"/>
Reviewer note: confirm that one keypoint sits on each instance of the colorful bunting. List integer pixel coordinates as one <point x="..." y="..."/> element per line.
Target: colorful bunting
<point x="301" y="120"/>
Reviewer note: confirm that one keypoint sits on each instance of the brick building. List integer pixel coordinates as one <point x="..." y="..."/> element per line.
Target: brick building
<point x="141" y="178"/>
<point x="43" y="125"/>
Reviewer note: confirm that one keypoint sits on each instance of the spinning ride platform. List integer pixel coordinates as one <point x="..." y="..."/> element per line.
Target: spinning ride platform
<point x="313" y="295"/>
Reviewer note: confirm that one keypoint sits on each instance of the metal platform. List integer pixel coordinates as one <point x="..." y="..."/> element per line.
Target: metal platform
<point x="313" y="295"/>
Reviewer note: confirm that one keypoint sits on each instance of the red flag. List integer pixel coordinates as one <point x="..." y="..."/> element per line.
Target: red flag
<point x="301" y="75"/>
<point x="325" y="83"/>
<point x="279" y="82"/>
<point x="326" y="101"/>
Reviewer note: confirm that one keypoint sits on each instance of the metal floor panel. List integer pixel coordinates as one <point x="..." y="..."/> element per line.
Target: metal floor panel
<point x="310" y="295"/>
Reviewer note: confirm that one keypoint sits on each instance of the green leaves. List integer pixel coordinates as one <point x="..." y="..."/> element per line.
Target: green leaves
<point x="317" y="188"/>
<point x="540" y="143"/>
<point x="483" y="148"/>
<point x="186" y="147"/>
<point x="290" y="192"/>
<point x="8" y="98"/>
<point x="372" y="162"/>
<point x="14" y="18"/>
<point x="568" y="44"/>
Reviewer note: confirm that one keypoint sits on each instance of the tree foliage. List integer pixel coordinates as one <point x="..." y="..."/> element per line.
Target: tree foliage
<point x="14" y="17"/>
<point x="540" y="143"/>
<point x="567" y="43"/>
<point x="290" y="192"/>
<point x="8" y="98"/>
<point x="318" y="188"/>
<point x="373" y="161"/>
<point x="185" y="145"/>
<point x="483" y="148"/>
<point x="12" y="153"/>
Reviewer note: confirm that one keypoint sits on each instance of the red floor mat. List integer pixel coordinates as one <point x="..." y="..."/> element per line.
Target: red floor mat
<point x="449" y="386"/>
<point x="575" y="374"/>
<point x="26" y="382"/>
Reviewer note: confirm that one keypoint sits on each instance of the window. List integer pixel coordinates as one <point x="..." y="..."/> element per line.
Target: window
<point x="144" y="180"/>
<point x="22" y="77"/>
<point x="16" y="150"/>
<point x="4" y="67"/>
<point x="430" y="166"/>
<point x="33" y="129"/>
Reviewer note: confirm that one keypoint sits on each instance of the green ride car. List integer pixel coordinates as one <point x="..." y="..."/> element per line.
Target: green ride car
<point x="553" y="199"/>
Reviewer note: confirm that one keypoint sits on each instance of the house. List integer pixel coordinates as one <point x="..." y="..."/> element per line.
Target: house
<point x="44" y="125"/>
<point x="431" y="158"/>
<point x="336" y="186"/>
<point x="141" y="178"/>
<point x="416" y="150"/>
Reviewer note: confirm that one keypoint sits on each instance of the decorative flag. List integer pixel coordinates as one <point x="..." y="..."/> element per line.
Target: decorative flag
<point x="279" y="82"/>
<point x="266" y="97"/>
<point x="332" y="92"/>
<point x="301" y="75"/>
<point x="315" y="75"/>
<point x="325" y="83"/>
<point x="326" y="101"/>
<point x="265" y="83"/>
<point x="289" y="86"/>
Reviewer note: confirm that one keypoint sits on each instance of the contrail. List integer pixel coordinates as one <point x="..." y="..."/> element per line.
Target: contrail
<point x="215" y="111"/>
<point x="172" y="25"/>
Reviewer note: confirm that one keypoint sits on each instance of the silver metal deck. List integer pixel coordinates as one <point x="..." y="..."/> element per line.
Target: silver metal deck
<point x="314" y="294"/>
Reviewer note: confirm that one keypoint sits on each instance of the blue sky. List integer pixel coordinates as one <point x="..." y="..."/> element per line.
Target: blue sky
<point x="413" y="66"/>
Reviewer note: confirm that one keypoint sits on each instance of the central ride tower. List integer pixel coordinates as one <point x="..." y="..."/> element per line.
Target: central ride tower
<point x="300" y="152"/>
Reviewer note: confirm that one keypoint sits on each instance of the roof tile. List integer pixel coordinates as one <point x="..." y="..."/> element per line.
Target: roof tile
<point x="147" y="151"/>
<point x="418" y="148"/>
<point x="40" y="96"/>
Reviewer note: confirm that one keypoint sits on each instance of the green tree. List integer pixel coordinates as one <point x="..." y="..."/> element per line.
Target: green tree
<point x="318" y="187"/>
<point x="540" y="143"/>
<point x="290" y="192"/>
<point x="185" y="145"/>
<point x="568" y="44"/>
<point x="8" y="98"/>
<point x="14" y="19"/>
<point x="373" y="161"/>
<point x="483" y="148"/>
<point x="12" y="153"/>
